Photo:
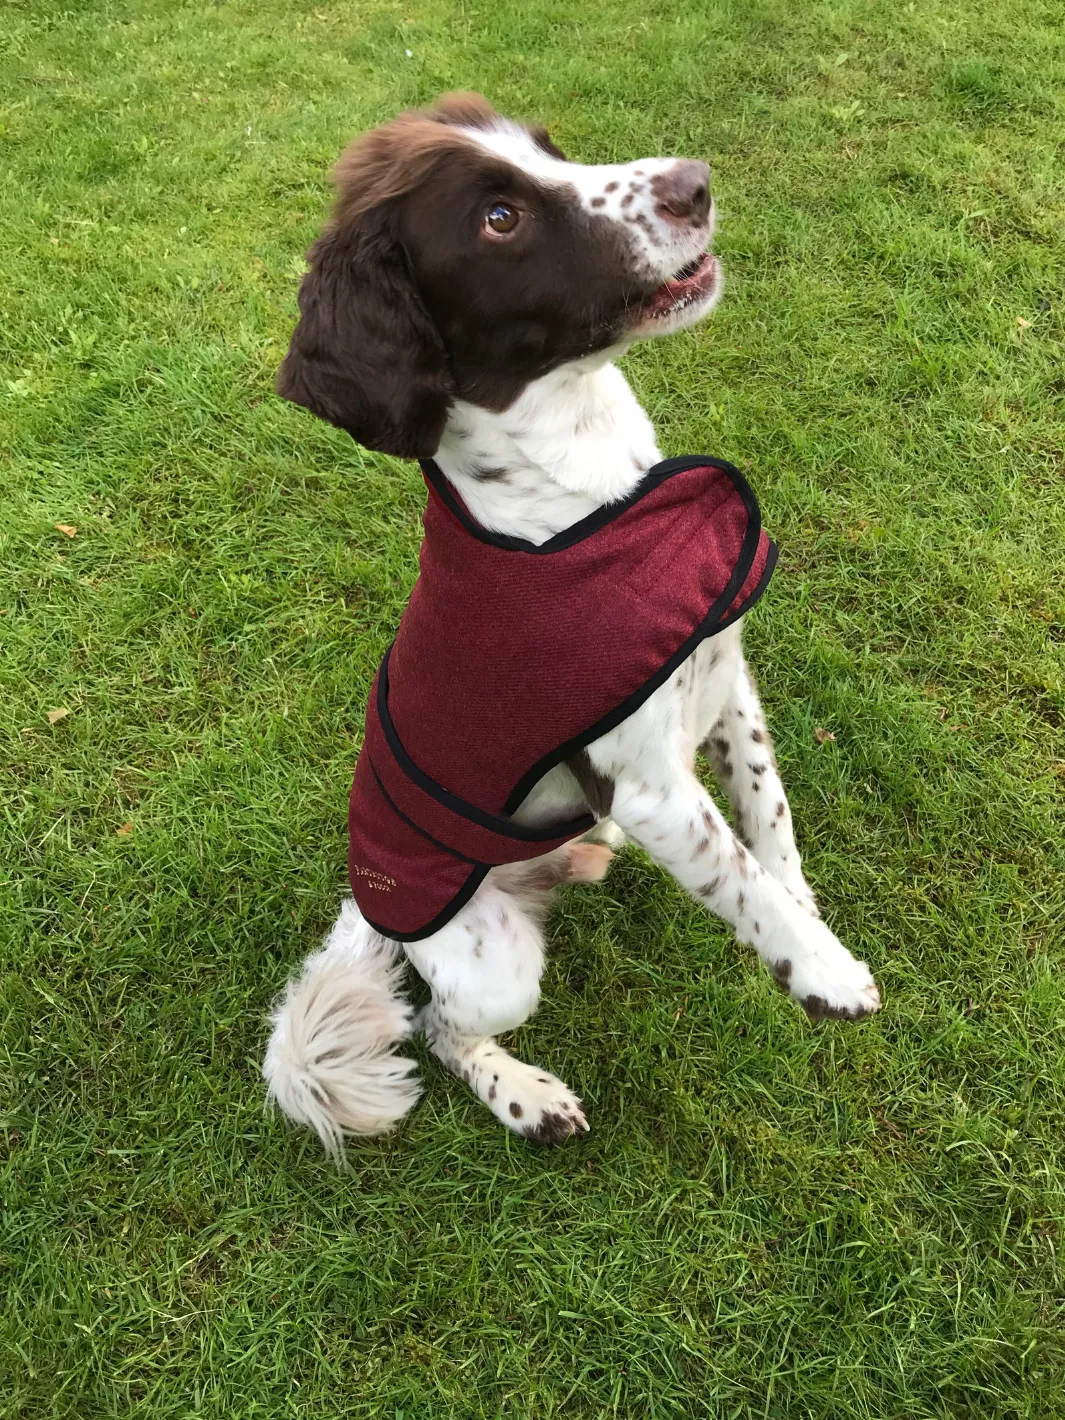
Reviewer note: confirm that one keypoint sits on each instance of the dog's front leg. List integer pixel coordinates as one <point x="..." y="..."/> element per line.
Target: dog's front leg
<point x="665" y="809"/>
<point x="740" y="749"/>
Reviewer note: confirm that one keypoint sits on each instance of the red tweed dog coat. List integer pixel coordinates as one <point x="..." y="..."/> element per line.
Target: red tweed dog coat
<point x="510" y="657"/>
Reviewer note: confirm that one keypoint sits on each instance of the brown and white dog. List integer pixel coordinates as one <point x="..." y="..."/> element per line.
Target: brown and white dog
<point x="469" y="297"/>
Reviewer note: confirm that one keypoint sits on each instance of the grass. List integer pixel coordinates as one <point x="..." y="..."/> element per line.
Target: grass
<point x="770" y="1219"/>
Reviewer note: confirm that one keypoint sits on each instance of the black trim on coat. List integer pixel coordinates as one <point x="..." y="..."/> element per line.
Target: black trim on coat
<point x="436" y="842"/>
<point x="771" y="557"/>
<point x="709" y="626"/>
<point x="494" y="823"/>
<point x="584" y="527"/>
<point x="442" y="918"/>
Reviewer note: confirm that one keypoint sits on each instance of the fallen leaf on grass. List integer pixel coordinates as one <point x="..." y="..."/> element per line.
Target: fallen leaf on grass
<point x="125" y="828"/>
<point x="891" y="1128"/>
<point x="1023" y="324"/>
<point x="821" y="735"/>
<point x="54" y="716"/>
<point x="67" y="529"/>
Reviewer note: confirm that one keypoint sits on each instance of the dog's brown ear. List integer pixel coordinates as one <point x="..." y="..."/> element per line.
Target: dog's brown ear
<point x="366" y="355"/>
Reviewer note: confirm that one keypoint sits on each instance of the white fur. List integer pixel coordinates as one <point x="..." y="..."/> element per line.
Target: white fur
<point x="581" y="426"/>
<point x="573" y="440"/>
<point x="331" y="1061"/>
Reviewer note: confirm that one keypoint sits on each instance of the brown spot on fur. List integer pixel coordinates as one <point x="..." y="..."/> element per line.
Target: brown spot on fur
<point x="515" y="1109"/>
<point x="710" y="888"/>
<point x="552" y="1128"/>
<point x="780" y="809"/>
<point x="701" y="847"/>
<point x="598" y="202"/>
<point x="491" y="1092"/>
<point x="741" y="900"/>
<point x="758" y="768"/>
<point x="758" y="737"/>
<point x="757" y="928"/>
<point x="598" y="789"/>
<point x="818" y="1009"/>
<point x="626" y="199"/>
<point x="611" y="187"/>
<point x="782" y="972"/>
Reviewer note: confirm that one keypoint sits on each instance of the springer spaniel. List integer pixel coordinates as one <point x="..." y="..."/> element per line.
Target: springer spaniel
<point x="468" y="300"/>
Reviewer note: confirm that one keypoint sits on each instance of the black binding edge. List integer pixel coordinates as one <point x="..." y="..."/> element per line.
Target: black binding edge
<point x="771" y="558"/>
<point x="578" y="531"/>
<point x="494" y="823"/>
<point x="442" y="918"/>
<point x="444" y="848"/>
<point x="709" y="626"/>
<point x="610" y="721"/>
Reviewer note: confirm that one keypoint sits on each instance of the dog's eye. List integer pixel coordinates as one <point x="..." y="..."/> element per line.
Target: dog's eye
<point x="501" y="219"/>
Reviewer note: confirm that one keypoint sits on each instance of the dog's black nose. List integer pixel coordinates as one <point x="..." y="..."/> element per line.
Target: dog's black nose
<point x="683" y="193"/>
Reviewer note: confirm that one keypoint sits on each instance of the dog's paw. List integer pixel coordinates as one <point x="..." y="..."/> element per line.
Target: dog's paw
<point x="536" y="1105"/>
<point x="606" y="832"/>
<point x="589" y="862"/>
<point x="827" y="981"/>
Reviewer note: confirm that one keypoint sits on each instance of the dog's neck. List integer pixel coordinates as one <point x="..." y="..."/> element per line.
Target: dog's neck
<point x="573" y="440"/>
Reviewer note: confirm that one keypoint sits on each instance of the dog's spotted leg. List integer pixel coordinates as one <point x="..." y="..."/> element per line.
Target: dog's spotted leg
<point x="741" y="751"/>
<point x="678" y="823"/>
<point x="484" y="971"/>
<point x="661" y="805"/>
<point x="532" y="1102"/>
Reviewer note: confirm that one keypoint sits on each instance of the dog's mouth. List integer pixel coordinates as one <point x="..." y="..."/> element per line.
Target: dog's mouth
<point x="693" y="284"/>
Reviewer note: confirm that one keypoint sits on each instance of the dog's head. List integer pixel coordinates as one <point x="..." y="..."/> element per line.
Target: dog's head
<point x="466" y="256"/>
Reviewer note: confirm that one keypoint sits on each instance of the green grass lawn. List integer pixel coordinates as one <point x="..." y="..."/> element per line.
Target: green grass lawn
<point x="769" y="1219"/>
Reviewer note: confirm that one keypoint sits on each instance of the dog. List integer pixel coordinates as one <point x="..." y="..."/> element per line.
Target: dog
<point x="467" y="302"/>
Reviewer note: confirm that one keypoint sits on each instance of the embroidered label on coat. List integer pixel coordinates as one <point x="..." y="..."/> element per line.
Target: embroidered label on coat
<point x="374" y="880"/>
